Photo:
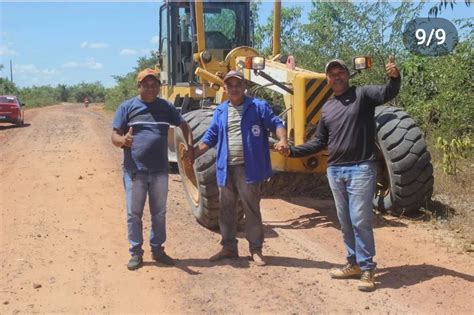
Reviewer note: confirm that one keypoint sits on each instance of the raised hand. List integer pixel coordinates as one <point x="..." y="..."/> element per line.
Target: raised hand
<point x="128" y="138"/>
<point x="391" y="68"/>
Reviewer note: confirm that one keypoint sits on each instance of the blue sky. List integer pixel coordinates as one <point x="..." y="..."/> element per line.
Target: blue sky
<point x="53" y="43"/>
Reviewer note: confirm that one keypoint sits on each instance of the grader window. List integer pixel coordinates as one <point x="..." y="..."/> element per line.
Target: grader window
<point x="223" y="27"/>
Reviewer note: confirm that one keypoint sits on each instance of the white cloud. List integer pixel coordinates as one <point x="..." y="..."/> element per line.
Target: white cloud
<point x="92" y="64"/>
<point x="89" y="64"/>
<point x="6" y="51"/>
<point x="31" y="69"/>
<point x="128" y="52"/>
<point x="30" y="74"/>
<point x="71" y="64"/>
<point x="155" y="40"/>
<point x="94" y="45"/>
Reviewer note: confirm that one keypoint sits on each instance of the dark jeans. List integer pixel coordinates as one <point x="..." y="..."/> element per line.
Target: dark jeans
<point x="249" y="195"/>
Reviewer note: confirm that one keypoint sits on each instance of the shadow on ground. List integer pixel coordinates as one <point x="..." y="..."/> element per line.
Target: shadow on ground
<point x="244" y="262"/>
<point x="3" y="127"/>
<point x="408" y="275"/>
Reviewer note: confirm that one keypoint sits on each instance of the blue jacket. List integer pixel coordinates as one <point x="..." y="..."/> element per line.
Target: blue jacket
<point x="257" y="119"/>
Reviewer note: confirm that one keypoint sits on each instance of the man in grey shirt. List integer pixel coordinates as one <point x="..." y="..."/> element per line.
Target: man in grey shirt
<point x="347" y="128"/>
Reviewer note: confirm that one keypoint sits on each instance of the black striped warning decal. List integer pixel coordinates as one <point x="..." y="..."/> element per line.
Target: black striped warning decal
<point x="314" y="88"/>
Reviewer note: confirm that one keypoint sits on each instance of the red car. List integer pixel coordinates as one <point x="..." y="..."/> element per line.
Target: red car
<point x="11" y="110"/>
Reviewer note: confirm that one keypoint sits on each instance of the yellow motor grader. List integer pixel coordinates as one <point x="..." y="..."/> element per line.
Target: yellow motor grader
<point x="200" y="41"/>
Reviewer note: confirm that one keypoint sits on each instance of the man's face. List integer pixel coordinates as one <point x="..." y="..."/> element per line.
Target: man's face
<point x="149" y="89"/>
<point x="235" y="88"/>
<point x="338" y="79"/>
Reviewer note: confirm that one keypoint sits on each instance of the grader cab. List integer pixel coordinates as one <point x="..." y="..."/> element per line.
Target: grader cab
<point x="201" y="41"/>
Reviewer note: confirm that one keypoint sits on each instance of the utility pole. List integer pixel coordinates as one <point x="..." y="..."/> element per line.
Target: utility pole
<point x="11" y="71"/>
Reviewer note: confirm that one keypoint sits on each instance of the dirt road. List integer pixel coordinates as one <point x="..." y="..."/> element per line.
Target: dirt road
<point x="64" y="245"/>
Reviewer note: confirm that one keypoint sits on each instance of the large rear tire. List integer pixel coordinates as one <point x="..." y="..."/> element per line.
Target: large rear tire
<point x="404" y="169"/>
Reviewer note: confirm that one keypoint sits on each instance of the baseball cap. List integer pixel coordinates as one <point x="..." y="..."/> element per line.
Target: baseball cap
<point x="147" y="72"/>
<point x="336" y="62"/>
<point x="233" y="74"/>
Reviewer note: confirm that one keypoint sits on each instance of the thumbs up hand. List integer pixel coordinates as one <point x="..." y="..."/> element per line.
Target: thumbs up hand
<point x="391" y="68"/>
<point x="128" y="138"/>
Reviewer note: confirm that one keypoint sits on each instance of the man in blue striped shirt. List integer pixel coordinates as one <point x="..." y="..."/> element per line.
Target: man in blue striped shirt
<point x="140" y="128"/>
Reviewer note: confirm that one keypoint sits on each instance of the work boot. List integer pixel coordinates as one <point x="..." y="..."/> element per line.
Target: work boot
<point x="258" y="258"/>
<point x="225" y="253"/>
<point x="348" y="271"/>
<point x="163" y="258"/>
<point x="367" y="282"/>
<point x="135" y="262"/>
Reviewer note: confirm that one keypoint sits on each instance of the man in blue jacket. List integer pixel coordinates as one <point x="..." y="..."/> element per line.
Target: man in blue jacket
<point x="240" y="129"/>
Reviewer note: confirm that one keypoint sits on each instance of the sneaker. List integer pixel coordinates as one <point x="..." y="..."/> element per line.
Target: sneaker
<point x="135" y="262"/>
<point x="258" y="258"/>
<point x="367" y="282"/>
<point x="348" y="271"/>
<point x="161" y="257"/>
<point x="225" y="253"/>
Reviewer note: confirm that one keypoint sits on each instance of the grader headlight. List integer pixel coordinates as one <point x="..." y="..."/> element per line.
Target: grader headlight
<point x="255" y="63"/>
<point x="362" y="62"/>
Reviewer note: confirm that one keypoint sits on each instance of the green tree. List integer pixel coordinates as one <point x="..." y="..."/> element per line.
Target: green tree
<point x="438" y="91"/>
<point x="126" y="85"/>
<point x="437" y="9"/>
<point x="347" y="29"/>
<point x="94" y="91"/>
<point x="126" y="88"/>
<point x="8" y="87"/>
<point x="64" y="92"/>
<point x="290" y="28"/>
<point x="39" y="96"/>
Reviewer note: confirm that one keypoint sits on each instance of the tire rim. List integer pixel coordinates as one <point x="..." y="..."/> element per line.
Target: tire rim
<point x="189" y="178"/>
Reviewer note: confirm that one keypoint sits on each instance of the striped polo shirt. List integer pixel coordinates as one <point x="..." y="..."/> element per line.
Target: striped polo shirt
<point x="234" y="134"/>
<point x="150" y="123"/>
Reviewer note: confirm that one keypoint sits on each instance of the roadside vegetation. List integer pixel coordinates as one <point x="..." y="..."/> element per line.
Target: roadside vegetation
<point x="438" y="92"/>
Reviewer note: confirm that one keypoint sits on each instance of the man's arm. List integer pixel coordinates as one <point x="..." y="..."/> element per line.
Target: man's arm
<point x="193" y="153"/>
<point x="201" y="149"/>
<point x="313" y="145"/>
<point x="209" y="139"/>
<point x="119" y="139"/>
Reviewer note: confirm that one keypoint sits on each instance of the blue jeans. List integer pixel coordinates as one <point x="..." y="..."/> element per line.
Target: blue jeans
<point x="137" y="186"/>
<point x="353" y="188"/>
